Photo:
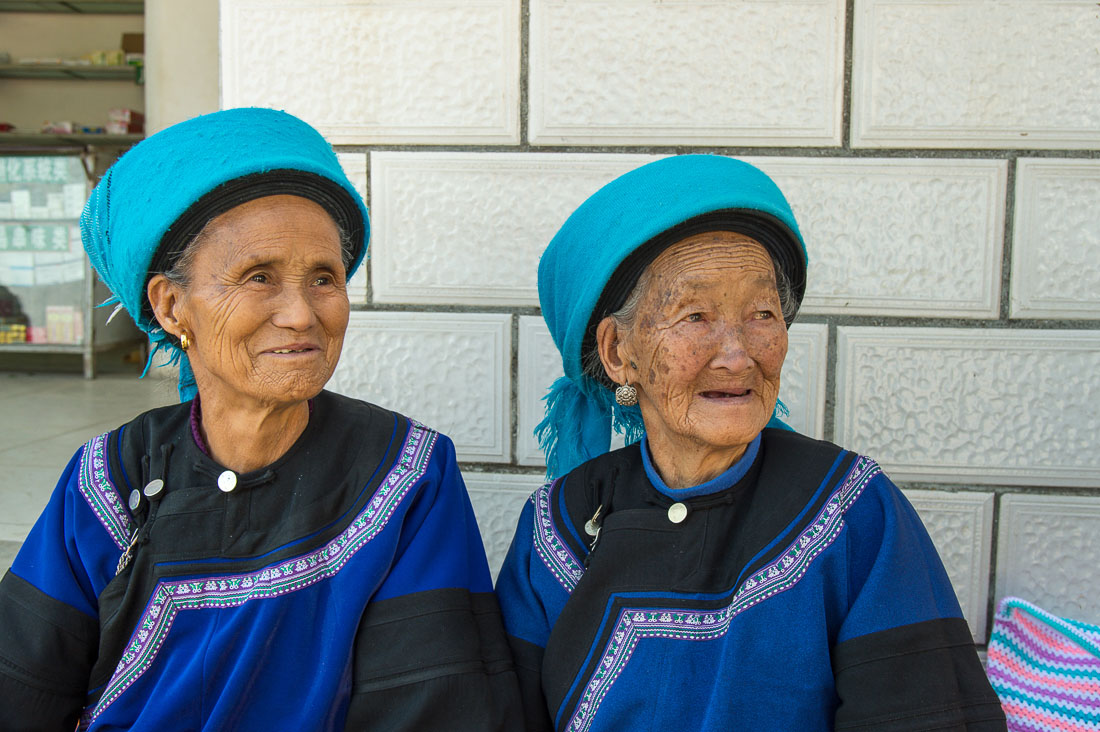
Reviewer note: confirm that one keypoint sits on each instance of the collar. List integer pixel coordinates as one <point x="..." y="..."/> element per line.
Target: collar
<point x="719" y="483"/>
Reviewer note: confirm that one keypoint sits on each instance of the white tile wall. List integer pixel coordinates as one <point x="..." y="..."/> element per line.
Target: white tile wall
<point x="901" y="235"/>
<point x="975" y="73"/>
<point x="961" y="527"/>
<point x="355" y="167"/>
<point x="703" y="72"/>
<point x="985" y="406"/>
<point x="1056" y="239"/>
<point x="377" y="71"/>
<point x="896" y="236"/>
<point x="802" y="384"/>
<point x="802" y="390"/>
<point x="498" y="500"/>
<point x="539" y="367"/>
<point x="449" y="371"/>
<point x="1047" y="552"/>
<point x="470" y="227"/>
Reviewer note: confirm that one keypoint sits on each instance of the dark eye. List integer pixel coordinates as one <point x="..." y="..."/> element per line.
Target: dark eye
<point x="764" y="315"/>
<point x="258" y="277"/>
<point x="323" y="280"/>
<point x="695" y="318"/>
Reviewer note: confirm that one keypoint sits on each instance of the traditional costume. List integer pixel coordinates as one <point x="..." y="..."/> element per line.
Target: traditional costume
<point x="798" y="590"/>
<point x="343" y="586"/>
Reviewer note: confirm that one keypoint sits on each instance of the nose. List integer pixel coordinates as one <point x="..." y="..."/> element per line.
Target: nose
<point x="730" y="352"/>
<point x="294" y="309"/>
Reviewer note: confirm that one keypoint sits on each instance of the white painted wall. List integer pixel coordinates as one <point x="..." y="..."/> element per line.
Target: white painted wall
<point x="181" y="60"/>
<point x="952" y="227"/>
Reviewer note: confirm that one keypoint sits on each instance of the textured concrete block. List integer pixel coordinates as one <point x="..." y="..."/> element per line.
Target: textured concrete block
<point x="378" y="71"/>
<point x="802" y="384"/>
<point x="1047" y="550"/>
<point x="985" y="406"/>
<point x="902" y="237"/>
<point x="498" y="500"/>
<point x="539" y="367"/>
<point x="1056" y="239"/>
<point x="802" y="390"/>
<point x="449" y="371"/>
<point x="470" y="227"/>
<point x="896" y="236"/>
<point x="962" y="73"/>
<point x="646" y="71"/>
<point x="961" y="527"/>
<point x="355" y="167"/>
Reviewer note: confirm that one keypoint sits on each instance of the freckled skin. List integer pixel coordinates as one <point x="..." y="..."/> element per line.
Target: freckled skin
<point x="268" y="275"/>
<point x="708" y="344"/>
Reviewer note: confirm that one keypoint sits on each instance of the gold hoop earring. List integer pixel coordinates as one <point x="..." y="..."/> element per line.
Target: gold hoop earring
<point x="185" y="342"/>
<point x="626" y="396"/>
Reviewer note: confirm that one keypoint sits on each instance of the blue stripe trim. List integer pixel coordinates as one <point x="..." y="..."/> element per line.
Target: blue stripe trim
<point x="729" y="478"/>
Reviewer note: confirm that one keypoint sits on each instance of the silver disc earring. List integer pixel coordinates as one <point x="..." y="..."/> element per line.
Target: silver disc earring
<point x="626" y="395"/>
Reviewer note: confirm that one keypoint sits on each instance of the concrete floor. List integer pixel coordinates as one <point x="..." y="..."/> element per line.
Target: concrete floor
<point x="44" y="419"/>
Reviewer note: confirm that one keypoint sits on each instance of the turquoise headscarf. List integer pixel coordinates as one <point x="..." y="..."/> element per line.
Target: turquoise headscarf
<point x="642" y="211"/>
<point x="158" y="196"/>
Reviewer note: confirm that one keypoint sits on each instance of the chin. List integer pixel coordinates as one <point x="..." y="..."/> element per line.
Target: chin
<point x="294" y="388"/>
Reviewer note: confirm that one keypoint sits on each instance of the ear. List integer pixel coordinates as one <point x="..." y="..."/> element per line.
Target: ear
<point x="166" y="297"/>
<point x="613" y="352"/>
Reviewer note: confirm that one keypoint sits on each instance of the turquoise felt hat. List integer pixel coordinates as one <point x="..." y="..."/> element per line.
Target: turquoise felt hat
<point x="595" y="258"/>
<point x="161" y="193"/>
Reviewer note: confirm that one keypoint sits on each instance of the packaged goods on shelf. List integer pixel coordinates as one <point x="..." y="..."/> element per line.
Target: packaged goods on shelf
<point x="122" y="121"/>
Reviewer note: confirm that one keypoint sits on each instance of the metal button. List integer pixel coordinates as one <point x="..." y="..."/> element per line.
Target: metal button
<point x="135" y="499"/>
<point x="592" y="525"/>
<point x="677" y="512"/>
<point x="153" y="487"/>
<point x="227" y="481"/>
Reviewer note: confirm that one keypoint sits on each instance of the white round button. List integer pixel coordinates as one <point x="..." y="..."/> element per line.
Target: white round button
<point x="677" y="512"/>
<point x="135" y="499"/>
<point x="153" y="487"/>
<point x="227" y="481"/>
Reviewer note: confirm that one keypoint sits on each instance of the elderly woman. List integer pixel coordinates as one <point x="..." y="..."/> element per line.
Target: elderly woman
<point x="265" y="555"/>
<point x="721" y="573"/>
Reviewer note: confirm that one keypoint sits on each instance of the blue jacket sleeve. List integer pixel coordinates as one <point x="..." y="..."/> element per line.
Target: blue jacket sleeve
<point x="904" y="658"/>
<point x="430" y="652"/>
<point x="49" y="628"/>
<point x="535" y="582"/>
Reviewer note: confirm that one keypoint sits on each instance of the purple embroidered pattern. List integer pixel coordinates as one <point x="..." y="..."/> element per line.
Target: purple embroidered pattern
<point x="549" y="546"/>
<point x="100" y="493"/>
<point x="169" y="598"/>
<point x="635" y="624"/>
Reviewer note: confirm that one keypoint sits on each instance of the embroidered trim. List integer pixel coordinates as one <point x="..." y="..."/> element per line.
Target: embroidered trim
<point x="636" y="624"/>
<point x="100" y="494"/>
<point x="555" y="556"/>
<point x="169" y="598"/>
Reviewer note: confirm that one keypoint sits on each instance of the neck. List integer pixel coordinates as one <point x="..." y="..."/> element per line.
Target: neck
<point x="690" y="464"/>
<point x="248" y="438"/>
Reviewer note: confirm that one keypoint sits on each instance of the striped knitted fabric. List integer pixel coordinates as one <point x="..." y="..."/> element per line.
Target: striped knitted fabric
<point x="1045" y="669"/>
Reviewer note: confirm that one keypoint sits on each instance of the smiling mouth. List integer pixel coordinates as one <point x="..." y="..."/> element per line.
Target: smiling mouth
<point x="292" y="350"/>
<point x="732" y="394"/>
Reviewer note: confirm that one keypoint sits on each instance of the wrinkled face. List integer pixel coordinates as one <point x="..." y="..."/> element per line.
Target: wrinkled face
<point x="266" y="306"/>
<point x="708" y="341"/>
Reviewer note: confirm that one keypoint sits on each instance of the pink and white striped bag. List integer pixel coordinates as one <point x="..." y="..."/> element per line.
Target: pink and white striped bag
<point x="1045" y="669"/>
